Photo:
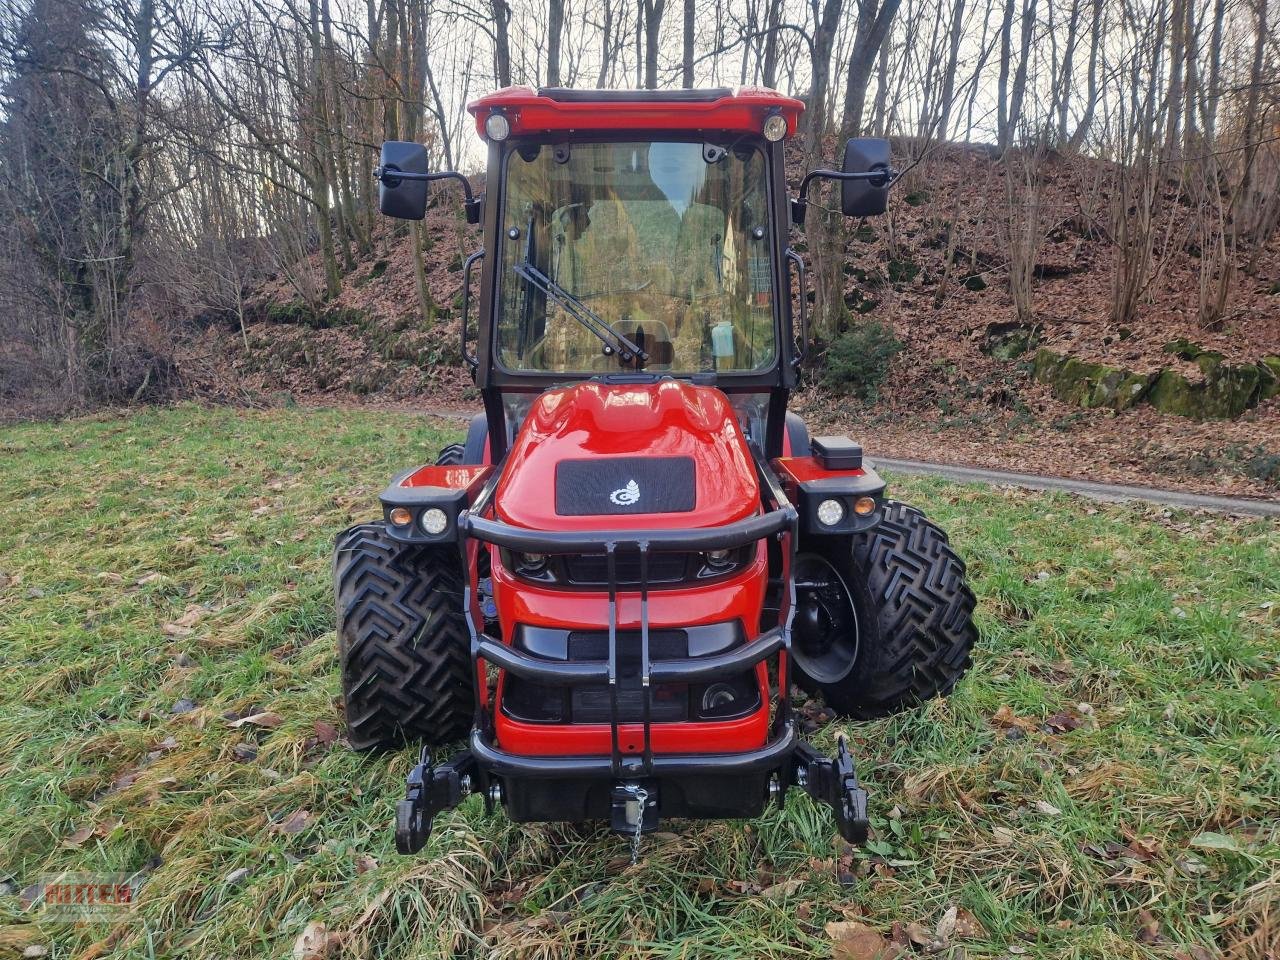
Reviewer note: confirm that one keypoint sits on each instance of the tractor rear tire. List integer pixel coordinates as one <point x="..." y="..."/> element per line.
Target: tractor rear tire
<point x="913" y="628"/>
<point x="402" y="640"/>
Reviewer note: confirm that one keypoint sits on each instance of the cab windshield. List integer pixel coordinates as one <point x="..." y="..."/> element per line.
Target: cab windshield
<point x="664" y="245"/>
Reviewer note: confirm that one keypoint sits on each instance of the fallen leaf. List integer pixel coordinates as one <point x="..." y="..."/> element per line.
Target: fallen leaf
<point x="266" y="719"/>
<point x="1064" y="721"/>
<point x="947" y="924"/>
<point x="919" y="934"/>
<point x="79" y="837"/>
<point x="1215" y="841"/>
<point x="296" y="822"/>
<point x="1005" y="718"/>
<point x="316" y="942"/>
<point x="326" y="733"/>
<point x="1047" y="808"/>
<point x="857" y="941"/>
<point x="1148" y="928"/>
<point x="968" y="927"/>
<point x="182" y="627"/>
<point x="779" y="891"/>
<point x="365" y="863"/>
<point x="1003" y="836"/>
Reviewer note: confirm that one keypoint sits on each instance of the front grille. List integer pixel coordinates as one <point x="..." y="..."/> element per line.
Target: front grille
<point x="592" y="570"/>
<point x="668" y="702"/>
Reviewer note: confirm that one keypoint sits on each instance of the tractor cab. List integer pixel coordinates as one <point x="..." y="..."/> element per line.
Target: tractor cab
<point x="611" y="587"/>
<point x="636" y="232"/>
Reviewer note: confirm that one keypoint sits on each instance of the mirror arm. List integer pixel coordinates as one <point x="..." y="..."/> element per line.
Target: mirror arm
<point x="391" y="176"/>
<point x="879" y="176"/>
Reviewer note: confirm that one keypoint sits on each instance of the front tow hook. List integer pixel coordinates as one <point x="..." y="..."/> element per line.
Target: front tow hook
<point x="428" y="791"/>
<point x="835" y="783"/>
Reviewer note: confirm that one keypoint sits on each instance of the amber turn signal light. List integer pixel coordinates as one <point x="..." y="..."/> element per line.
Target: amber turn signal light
<point x="401" y="516"/>
<point x="864" y="505"/>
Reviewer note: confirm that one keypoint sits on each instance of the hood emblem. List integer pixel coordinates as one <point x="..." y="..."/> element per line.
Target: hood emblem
<point x="626" y="496"/>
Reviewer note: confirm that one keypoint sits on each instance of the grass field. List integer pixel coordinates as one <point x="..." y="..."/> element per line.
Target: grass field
<point x="1105" y="783"/>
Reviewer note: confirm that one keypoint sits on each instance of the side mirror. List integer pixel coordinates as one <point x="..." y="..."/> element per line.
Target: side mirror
<point x="865" y="198"/>
<point x="400" y="197"/>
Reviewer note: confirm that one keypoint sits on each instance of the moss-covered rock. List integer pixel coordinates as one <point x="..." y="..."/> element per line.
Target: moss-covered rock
<point x="1090" y="384"/>
<point x="1183" y="349"/>
<point x="1121" y="389"/>
<point x="1008" y="340"/>
<point x="1226" y="391"/>
<point x="1268" y="378"/>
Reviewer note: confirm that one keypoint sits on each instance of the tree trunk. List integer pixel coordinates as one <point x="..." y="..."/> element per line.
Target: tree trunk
<point x="1091" y="95"/>
<point x="949" y="74"/>
<point x="1003" y="122"/>
<point x="872" y="30"/>
<point x="772" y="19"/>
<point x="501" y="42"/>
<point x="686" y="60"/>
<point x="653" y="11"/>
<point x="1173" y="101"/>
<point x="1210" y="112"/>
<point x="1062" y="90"/>
<point x="1020" y="75"/>
<point x="555" y="26"/>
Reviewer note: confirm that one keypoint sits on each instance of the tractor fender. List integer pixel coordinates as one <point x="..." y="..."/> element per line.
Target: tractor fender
<point x="475" y="449"/>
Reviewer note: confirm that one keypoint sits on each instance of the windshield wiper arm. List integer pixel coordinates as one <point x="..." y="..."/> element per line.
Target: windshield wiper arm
<point x="613" y="341"/>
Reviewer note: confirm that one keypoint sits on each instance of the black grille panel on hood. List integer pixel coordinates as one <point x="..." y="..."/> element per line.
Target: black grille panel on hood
<point x="603" y="486"/>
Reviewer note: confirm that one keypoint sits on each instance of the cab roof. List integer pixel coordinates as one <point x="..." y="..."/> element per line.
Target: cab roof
<point x="555" y="109"/>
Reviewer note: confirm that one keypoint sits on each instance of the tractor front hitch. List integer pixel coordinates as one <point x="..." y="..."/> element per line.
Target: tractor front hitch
<point x="835" y="783"/>
<point x="429" y="790"/>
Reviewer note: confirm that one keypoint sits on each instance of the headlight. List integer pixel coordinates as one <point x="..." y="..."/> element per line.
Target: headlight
<point x="497" y="127"/>
<point x="435" y="521"/>
<point x="830" y="512"/>
<point x="775" y="127"/>
<point x="718" y="558"/>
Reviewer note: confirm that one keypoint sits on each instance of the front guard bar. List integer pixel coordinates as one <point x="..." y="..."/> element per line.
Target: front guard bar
<point x="832" y="782"/>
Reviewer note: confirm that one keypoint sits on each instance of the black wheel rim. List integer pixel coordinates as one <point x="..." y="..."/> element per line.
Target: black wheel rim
<point x="824" y="631"/>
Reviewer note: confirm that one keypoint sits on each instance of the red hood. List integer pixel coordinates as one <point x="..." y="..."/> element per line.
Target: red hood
<point x="670" y="418"/>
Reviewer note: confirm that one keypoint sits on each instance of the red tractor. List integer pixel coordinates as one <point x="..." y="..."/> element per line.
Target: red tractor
<point x="611" y="587"/>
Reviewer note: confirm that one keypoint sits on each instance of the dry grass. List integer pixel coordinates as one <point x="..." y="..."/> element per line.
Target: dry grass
<point x="1104" y="784"/>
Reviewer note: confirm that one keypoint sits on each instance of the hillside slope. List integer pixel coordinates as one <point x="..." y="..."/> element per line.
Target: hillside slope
<point x="963" y="389"/>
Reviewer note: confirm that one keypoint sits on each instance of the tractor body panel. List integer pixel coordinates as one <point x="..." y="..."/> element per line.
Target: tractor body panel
<point x="582" y="443"/>
<point x="634" y="457"/>
<point x="570" y="114"/>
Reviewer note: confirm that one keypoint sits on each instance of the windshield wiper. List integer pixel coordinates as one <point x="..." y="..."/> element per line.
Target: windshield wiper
<point x="613" y="341"/>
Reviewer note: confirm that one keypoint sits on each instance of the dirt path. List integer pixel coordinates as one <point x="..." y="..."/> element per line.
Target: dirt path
<point x="1113" y="492"/>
